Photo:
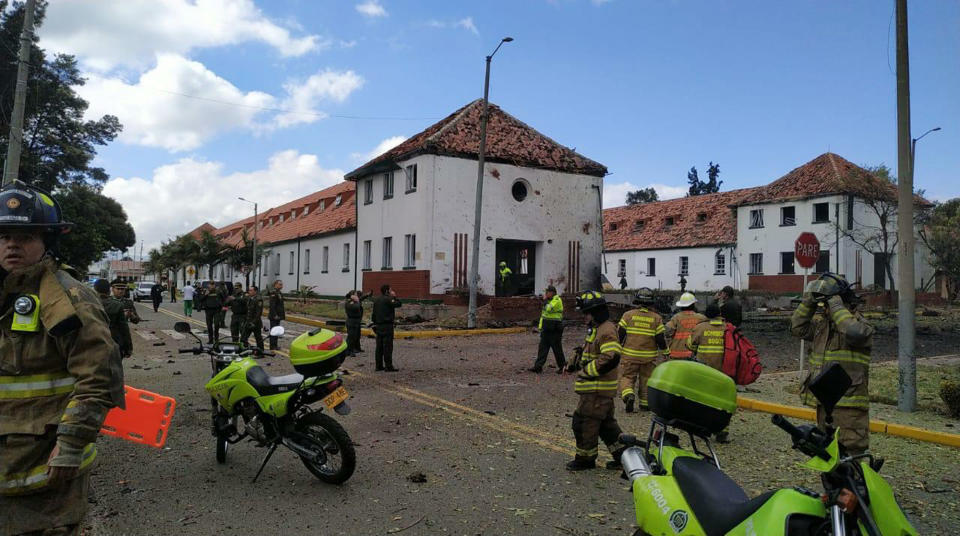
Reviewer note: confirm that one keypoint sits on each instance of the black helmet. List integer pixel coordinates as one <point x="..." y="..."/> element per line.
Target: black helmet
<point x="26" y="207"/>
<point x="590" y="300"/>
<point x="644" y="296"/>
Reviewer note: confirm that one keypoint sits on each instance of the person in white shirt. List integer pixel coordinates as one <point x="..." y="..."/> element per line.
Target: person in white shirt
<point x="188" y="291"/>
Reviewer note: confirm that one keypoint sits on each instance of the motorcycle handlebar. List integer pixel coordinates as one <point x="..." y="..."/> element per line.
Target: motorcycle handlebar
<point x="787" y="427"/>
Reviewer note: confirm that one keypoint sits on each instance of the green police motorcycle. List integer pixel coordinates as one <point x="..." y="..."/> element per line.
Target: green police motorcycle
<point x="274" y="411"/>
<point x="680" y="491"/>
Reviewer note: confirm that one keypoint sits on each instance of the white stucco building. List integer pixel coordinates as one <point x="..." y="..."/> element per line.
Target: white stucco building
<point x="745" y="238"/>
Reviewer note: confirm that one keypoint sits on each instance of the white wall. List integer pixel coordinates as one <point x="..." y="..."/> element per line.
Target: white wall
<point x="335" y="282"/>
<point x="701" y="268"/>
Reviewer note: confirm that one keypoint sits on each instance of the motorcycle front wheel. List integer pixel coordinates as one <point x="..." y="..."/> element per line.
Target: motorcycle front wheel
<point x="326" y="434"/>
<point x="220" y="418"/>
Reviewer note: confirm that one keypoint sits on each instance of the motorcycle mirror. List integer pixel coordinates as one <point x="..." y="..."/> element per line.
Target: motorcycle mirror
<point x="830" y="385"/>
<point x="276" y="331"/>
<point x="181" y="327"/>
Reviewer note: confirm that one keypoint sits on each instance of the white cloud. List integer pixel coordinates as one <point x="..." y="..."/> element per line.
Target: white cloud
<point x="181" y="196"/>
<point x="615" y="194"/>
<point x="600" y="2"/>
<point x="304" y="96"/>
<point x="371" y="8"/>
<point x="465" y="23"/>
<point x="179" y="104"/>
<point x="381" y="148"/>
<point x="130" y="32"/>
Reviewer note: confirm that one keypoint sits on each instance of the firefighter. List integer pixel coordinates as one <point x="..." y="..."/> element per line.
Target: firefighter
<point x="679" y="328"/>
<point x="706" y="344"/>
<point x="641" y="333"/>
<point x="551" y="331"/>
<point x="60" y="372"/>
<point x="838" y="333"/>
<point x="596" y="386"/>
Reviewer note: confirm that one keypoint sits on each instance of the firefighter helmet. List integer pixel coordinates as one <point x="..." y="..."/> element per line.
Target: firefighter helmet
<point x="590" y="300"/>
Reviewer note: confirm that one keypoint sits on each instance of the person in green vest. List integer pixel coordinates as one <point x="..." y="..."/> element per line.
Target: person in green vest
<point x="551" y="331"/>
<point x="504" y="277"/>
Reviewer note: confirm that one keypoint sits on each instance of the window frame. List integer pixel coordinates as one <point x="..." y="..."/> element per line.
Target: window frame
<point x="277" y="267"/>
<point x="824" y="255"/>
<point x="719" y="263"/>
<point x="346" y="257"/>
<point x="756" y="223"/>
<point x="367" y="192"/>
<point x="824" y="204"/>
<point x="388" y="185"/>
<point x="293" y="255"/>
<point x="409" y="251"/>
<point x="386" y="253"/>
<point x="683" y="265"/>
<point x="410" y="173"/>
<point x="367" y="255"/>
<point x="651" y="266"/>
<point x="306" y="263"/>
<point x="784" y="255"/>
<point x="621" y="267"/>
<point x="784" y="220"/>
<point x="756" y="261"/>
<point x="325" y="259"/>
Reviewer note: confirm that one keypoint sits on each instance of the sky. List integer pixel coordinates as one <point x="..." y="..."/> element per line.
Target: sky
<point x="273" y="100"/>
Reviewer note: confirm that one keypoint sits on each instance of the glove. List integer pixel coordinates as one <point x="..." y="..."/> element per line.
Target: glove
<point x="573" y="367"/>
<point x="835" y="302"/>
<point x="64" y="463"/>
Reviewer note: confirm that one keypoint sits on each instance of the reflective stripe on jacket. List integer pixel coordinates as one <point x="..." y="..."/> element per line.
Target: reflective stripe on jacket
<point x="641" y="325"/>
<point x="601" y="346"/>
<point x="37" y="477"/>
<point x="707" y="340"/>
<point x="678" y="330"/>
<point x="552" y="312"/>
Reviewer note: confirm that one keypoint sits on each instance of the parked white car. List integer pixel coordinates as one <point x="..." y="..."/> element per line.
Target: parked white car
<point x="142" y="292"/>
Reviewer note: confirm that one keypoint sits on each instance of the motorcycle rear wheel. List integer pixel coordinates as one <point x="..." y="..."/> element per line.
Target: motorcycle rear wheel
<point x="327" y="434"/>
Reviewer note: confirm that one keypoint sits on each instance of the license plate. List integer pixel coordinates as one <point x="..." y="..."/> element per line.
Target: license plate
<point x="335" y="398"/>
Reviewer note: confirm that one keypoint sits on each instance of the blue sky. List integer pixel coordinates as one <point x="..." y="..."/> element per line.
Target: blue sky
<point x="647" y="88"/>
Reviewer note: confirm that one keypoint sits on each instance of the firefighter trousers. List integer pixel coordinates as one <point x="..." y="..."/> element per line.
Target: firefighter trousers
<point x="594" y="420"/>
<point x="633" y="379"/>
<point x="853" y="425"/>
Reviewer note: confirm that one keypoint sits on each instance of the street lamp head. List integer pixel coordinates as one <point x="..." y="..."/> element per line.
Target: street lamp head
<point x="934" y="129"/>
<point x="507" y="39"/>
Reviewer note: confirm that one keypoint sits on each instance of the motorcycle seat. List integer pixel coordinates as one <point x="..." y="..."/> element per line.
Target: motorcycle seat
<point x="718" y="503"/>
<point x="266" y="384"/>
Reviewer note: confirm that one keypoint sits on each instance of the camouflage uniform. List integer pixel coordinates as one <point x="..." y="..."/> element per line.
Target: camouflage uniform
<point x="254" y="323"/>
<point x="839" y="334"/>
<point x="119" y="329"/>
<point x="57" y="382"/>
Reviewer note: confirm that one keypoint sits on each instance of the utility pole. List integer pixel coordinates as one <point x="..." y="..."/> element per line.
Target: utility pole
<point x="906" y="345"/>
<point x="478" y="208"/>
<point x="11" y="168"/>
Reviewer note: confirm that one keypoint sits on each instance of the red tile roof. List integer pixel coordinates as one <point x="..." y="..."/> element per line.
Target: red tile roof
<point x="509" y="141"/>
<point x="196" y="233"/>
<point x="827" y="174"/>
<point x="698" y="221"/>
<point x="333" y="218"/>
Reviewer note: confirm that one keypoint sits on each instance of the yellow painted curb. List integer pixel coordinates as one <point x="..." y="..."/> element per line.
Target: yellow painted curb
<point x="881" y="427"/>
<point x="425" y="334"/>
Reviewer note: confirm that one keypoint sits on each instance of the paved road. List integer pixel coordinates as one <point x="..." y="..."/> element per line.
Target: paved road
<point x="490" y="439"/>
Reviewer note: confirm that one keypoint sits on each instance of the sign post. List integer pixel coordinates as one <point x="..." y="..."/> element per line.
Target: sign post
<point x="806" y="250"/>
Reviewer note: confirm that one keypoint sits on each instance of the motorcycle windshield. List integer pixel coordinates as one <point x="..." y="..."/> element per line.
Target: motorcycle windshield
<point x="825" y="466"/>
<point x="887" y="514"/>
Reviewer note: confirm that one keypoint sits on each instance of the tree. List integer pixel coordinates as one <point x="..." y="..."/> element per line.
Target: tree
<point x="710" y="186"/>
<point x="100" y="225"/>
<point x="240" y="256"/>
<point x="209" y="252"/>
<point x="941" y="234"/>
<point x="643" y="195"/>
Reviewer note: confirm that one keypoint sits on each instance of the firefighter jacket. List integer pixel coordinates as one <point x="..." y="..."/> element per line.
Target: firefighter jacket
<point x="707" y="340"/>
<point x="601" y="357"/>
<point x="276" y="311"/>
<point x="551" y="318"/>
<point x="836" y="335"/>
<point x="59" y="375"/>
<point x="678" y="330"/>
<point x="119" y="329"/>
<point x="641" y="333"/>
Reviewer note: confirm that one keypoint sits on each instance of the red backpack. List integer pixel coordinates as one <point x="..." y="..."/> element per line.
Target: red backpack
<point x="740" y="358"/>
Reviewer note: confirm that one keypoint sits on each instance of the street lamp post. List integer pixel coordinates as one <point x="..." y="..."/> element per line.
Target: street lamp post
<point x="253" y="250"/>
<point x="475" y="261"/>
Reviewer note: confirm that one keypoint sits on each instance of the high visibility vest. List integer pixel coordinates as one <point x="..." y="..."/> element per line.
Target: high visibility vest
<point x="505" y="273"/>
<point x="552" y="310"/>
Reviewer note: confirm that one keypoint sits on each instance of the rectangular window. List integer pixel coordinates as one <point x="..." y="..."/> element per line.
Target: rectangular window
<point x="409" y="251"/>
<point x="411" y="173"/>
<point x="346" y="258"/>
<point x="720" y="264"/>
<point x="756" y="264"/>
<point x="669" y="221"/>
<point x="306" y="261"/>
<point x="849" y="212"/>
<point x="325" y="260"/>
<point x="684" y="266"/>
<point x="276" y="269"/>
<point x="788" y="216"/>
<point x="786" y="262"/>
<point x="821" y="212"/>
<point x="367" y="247"/>
<point x="291" y="262"/>
<point x="388" y="185"/>
<point x="756" y="218"/>
<point x="622" y="268"/>
<point x="338" y="200"/>
<point x="367" y="192"/>
<point x="387" y="253"/>
<point x="651" y="267"/>
<point x="266" y="264"/>
<point x="823" y="263"/>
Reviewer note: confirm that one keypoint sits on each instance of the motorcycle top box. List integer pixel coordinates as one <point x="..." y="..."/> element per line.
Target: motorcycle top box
<point x="318" y="352"/>
<point x="692" y="396"/>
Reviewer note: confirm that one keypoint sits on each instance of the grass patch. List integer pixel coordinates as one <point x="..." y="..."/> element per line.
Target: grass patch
<point x="884" y="385"/>
<point x="323" y="310"/>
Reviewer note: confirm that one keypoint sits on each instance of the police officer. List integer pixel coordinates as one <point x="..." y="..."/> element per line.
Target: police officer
<point x="212" y="305"/>
<point x="596" y="386"/>
<point x="730" y="308"/>
<point x="156" y="295"/>
<point x="383" y="318"/>
<point x="276" y="313"/>
<point x="119" y="328"/>
<point x="120" y="291"/>
<point x="254" y="321"/>
<point x="840" y="334"/>
<point x="60" y="372"/>
<point x="641" y="335"/>
<point x="551" y="331"/>
<point x="238" y="311"/>
<point x="706" y="344"/>
<point x="224" y="291"/>
<point x="680" y="326"/>
<point x="504" y="275"/>
<point x="354" y="310"/>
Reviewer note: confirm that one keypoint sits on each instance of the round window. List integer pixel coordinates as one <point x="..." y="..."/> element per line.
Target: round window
<point x="519" y="190"/>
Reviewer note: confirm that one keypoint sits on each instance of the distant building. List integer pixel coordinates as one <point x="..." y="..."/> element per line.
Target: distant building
<point x="744" y="238"/>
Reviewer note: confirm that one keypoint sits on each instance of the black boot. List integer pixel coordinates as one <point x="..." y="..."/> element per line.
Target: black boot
<point x="581" y="464"/>
<point x="615" y="462"/>
<point x="628" y="402"/>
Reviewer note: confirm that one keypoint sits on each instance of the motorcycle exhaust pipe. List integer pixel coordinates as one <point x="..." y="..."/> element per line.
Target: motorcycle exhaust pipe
<point x="299" y="449"/>
<point x="635" y="464"/>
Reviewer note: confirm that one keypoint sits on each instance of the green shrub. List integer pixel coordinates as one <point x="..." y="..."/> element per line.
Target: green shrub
<point x="950" y="393"/>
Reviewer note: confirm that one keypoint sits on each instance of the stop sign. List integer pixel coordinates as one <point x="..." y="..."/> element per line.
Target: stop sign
<point x="807" y="250"/>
